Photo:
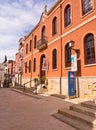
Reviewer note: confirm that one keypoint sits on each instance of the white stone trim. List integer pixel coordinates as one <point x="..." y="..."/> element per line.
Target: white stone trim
<point x="65" y="34"/>
<point x="27" y="56"/>
<point x="89" y="65"/>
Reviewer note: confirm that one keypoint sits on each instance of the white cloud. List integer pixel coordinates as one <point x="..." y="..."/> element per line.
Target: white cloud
<point x="9" y="52"/>
<point x="16" y="18"/>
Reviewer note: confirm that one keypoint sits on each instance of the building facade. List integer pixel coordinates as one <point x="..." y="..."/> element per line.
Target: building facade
<point x="68" y="28"/>
<point x="20" y="51"/>
<point x="3" y="72"/>
<point x="10" y="67"/>
<point x="11" y="72"/>
<point x="18" y="70"/>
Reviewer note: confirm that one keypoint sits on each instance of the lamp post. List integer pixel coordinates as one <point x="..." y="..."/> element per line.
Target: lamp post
<point x="73" y="56"/>
<point x="74" y="68"/>
<point x="71" y="46"/>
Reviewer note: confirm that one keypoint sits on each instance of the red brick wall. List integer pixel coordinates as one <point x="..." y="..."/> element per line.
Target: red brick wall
<point x="76" y="31"/>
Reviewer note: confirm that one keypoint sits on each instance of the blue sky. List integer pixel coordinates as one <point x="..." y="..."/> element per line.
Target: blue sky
<point x="17" y="19"/>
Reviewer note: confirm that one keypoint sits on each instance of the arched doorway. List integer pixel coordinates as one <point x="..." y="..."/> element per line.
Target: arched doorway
<point x="42" y="72"/>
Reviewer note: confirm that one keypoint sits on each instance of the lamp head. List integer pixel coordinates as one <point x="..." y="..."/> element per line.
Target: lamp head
<point x="71" y="44"/>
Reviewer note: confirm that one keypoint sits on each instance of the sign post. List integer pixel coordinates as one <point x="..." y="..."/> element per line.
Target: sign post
<point x="71" y="83"/>
<point x="72" y="76"/>
<point x="74" y="62"/>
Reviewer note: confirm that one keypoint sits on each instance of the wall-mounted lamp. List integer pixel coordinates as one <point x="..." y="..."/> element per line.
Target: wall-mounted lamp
<point x="71" y="45"/>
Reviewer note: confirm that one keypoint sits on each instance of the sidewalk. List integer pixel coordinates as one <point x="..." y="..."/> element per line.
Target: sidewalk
<point x="29" y="92"/>
<point x="25" y="92"/>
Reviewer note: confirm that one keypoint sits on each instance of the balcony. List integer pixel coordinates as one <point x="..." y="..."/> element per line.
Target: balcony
<point x="21" y="55"/>
<point x="20" y="68"/>
<point x="42" y="44"/>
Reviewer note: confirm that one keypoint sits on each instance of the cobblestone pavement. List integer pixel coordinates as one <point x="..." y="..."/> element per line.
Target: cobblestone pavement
<point x="21" y="112"/>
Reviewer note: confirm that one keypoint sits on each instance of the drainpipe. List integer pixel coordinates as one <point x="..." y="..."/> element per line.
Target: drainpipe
<point x="31" y="61"/>
<point x="61" y="47"/>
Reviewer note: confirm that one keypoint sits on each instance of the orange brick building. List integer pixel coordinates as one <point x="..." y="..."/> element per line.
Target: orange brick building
<point x="10" y="67"/>
<point x="67" y="22"/>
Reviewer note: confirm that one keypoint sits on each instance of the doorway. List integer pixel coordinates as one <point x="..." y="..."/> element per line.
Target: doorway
<point x="42" y="72"/>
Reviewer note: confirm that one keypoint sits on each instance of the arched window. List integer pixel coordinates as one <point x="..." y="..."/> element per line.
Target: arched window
<point x="26" y="48"/>
<point x="25" y="67"/>
<point x="67" y="56"/>
<point x="34" y="65"/>
<point x="54" y="59"/>
<point x="89" y="49"/>
<point x="54" y="26"/>
<point x="35" y="41"/>
<point x="43" y="33"/>
<point x="86" y="6"/>
<point x="29" y="66"/>
<point x="30" y="45"/>
<point x="67" y="15"/>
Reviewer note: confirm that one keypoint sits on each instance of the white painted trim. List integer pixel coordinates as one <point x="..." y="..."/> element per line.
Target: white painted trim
<point x="79" y="26"/>
<point x="89" y="65"/>
<point x="67" y="68"/>
<point x="27" y="56"/>
<point x="54" y="40"/>
<point x="65" y="34"/>
<point x="57" y="77"/>
<point x="72" y="30"/>
<point x="83" y="77"/>
<point x="35" y="51"/>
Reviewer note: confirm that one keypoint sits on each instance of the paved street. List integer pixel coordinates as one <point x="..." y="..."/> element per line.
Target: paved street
<point x="21" y="112"/>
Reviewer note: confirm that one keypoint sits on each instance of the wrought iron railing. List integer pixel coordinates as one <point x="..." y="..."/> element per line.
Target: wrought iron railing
<point x="27" y="83"/>
<point x="42" y="43"/>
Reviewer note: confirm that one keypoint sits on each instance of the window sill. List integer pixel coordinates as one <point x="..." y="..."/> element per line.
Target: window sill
<point x="54" y="69"/>
<point x="65" y="27"/>
<point x="53" y="35"/>
<point x="89" y="65"/>
<point x="67" y="68"/>
<point x="84" y="15"/>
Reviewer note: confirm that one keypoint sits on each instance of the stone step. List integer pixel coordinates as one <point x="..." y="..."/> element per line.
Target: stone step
<point x="73" y="122"/>
<point x="88" y="120"/>
<point x="59" y="96"/>
<point x="83" y="110"/>
<point x="89" y="104"/>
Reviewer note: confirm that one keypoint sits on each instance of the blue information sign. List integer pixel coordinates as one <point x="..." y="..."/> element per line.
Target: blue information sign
<point x="71" y="83"/>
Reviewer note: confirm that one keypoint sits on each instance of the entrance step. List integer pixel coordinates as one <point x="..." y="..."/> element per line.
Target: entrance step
<point x="83" y="110"/>
<point x="74" y="123"/>
<point x="81" y="116"/>
<point x="89" y="104"/>
<point x="78" y="116"/>
<point x="59" y="96"/>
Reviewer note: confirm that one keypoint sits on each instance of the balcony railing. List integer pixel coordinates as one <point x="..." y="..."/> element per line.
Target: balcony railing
<point x="20" y="69"/>
<point x="42" y="43"/>
<point x="21" y="56"/>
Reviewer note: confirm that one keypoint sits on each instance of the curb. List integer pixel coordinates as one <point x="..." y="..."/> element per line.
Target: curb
<point x="25" y="93"/>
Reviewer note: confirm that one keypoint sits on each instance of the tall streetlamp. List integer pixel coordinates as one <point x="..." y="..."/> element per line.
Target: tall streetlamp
<point x="74" y="69"/>
<point x="71" y="46"/>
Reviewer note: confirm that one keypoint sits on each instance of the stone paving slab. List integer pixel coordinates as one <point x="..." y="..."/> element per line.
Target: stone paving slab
<point x="20" y="112"/>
